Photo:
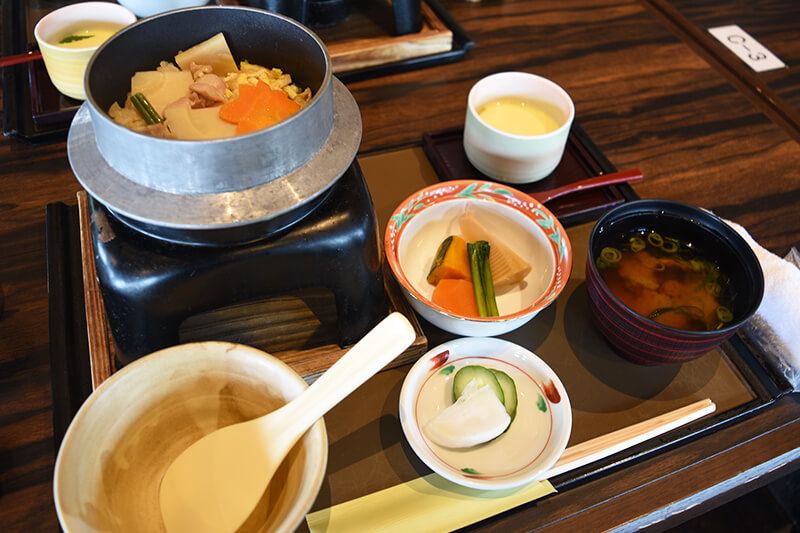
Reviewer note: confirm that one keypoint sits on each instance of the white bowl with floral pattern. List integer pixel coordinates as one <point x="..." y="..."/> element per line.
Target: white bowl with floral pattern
<point x="421" y="222"/>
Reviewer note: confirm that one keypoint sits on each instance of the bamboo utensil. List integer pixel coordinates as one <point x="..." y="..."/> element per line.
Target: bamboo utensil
<point x="433" y="502"/>
<point x="616" y="441"/>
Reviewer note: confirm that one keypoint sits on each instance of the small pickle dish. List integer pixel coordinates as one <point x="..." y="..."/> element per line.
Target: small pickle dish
<point x="536" y="400"/>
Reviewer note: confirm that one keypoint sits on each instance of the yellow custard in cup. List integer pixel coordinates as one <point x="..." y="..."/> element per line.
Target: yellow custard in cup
<point x="520" y="116"/>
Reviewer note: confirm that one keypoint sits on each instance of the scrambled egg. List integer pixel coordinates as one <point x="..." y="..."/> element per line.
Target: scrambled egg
<point x="251" y="74"/>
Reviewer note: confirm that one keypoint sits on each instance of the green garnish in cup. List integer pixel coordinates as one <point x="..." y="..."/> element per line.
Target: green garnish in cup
<point x="73" y="38"/>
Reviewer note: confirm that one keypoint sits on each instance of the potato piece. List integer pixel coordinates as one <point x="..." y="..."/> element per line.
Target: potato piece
<point x="195" y="124"/>
<point x="161" y="88"/>
<point x="213" y="52"/>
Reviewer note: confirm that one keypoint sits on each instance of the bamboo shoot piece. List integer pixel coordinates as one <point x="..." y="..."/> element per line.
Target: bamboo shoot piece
<point x="213" y="52"/>
<point x="507" y="267"/>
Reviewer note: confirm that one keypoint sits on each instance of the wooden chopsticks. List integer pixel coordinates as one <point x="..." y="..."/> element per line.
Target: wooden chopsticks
<point x="611" y="443"/>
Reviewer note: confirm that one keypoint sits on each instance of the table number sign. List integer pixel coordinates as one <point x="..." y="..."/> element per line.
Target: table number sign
<point x="753" y="53"/>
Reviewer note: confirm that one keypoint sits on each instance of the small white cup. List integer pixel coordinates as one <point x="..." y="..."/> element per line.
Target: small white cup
<point x="66" y="66"/>
<point x="510" y="157"/>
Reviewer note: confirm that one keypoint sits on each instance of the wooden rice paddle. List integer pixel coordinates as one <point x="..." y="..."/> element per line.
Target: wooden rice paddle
<point x="216" y="482"/>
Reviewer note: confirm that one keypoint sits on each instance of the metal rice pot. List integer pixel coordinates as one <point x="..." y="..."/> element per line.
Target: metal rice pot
<point x="219" y="191"/>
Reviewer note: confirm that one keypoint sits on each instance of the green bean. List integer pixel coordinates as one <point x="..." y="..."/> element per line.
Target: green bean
<point x="482" y="281"/>
<point x="142" y="105"/>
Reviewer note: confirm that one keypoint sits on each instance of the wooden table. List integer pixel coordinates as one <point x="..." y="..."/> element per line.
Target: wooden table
<point x="650" y="89"/>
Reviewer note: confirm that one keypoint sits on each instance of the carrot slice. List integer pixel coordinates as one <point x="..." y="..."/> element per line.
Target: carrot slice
<point x="257" y="107"/>
<point x="236" y="110"/>
<point x="457" y="296"/>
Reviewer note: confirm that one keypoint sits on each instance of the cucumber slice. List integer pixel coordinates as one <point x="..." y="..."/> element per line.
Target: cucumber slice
<point x="509" y="391"/>
<point x="482" y="375"/>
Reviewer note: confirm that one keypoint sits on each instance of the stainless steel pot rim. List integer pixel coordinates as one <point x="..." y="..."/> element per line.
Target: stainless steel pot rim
<point x="220" y="210"/>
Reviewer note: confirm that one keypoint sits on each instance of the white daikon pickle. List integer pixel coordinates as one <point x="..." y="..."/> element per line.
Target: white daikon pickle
<point x="477" y="416"/>
<point x="507" y="267"/>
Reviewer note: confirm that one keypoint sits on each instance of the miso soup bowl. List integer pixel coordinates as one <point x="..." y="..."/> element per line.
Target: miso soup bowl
<point x="640" y="339"/>
<point x="420" y="223"/>
<point x="130" y="429"/>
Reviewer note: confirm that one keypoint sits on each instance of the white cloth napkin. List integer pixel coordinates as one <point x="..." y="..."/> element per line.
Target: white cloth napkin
<point x="776" y="324"/>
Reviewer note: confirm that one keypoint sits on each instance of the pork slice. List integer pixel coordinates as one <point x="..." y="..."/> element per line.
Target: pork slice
<point x="211" y="87"/>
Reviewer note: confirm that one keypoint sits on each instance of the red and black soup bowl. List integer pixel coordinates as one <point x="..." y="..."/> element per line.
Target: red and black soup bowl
<point x="641" y="339"/>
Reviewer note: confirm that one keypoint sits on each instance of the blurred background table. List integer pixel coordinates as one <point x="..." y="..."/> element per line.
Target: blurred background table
<point x="652" y="89"/>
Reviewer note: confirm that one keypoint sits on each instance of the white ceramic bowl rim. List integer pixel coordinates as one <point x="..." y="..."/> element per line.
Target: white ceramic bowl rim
<point x="563" y="96"/>
<point x="414" y="204"/>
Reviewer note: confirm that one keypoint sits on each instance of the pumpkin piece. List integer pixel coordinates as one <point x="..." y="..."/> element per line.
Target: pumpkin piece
<point x="451" y="261"/>
<point x="457" y="296"/>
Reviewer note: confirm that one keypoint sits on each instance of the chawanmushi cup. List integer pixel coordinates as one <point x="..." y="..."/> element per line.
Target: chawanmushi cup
<point x="510" y="157"/>
<point x="66" y="66"/>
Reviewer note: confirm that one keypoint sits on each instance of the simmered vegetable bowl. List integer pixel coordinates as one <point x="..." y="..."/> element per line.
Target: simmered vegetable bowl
<point x="205" y="95"/>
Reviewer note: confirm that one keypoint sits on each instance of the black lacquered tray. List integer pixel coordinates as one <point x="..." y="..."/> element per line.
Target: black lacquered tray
<point x="581" y="160"/>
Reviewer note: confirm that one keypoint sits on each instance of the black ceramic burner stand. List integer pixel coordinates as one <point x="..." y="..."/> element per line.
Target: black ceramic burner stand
<point x="151" y="286"/>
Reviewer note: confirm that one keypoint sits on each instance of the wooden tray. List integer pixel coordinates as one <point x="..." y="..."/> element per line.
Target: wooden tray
<point x="353" y="46"/>
<point x="285" y="326"/>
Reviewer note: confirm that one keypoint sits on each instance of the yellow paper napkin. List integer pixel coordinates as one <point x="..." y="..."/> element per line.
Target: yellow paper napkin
<point x="429" y="503"/>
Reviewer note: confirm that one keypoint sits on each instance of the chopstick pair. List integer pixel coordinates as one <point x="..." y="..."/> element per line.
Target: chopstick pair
<point x="431" y="503"/>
